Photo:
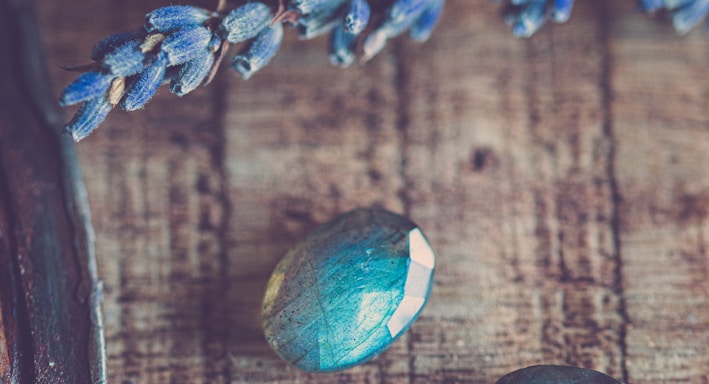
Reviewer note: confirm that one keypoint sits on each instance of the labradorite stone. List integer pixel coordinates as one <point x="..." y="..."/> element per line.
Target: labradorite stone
<point x="556" y="374"/>
<point x="347" y="291"/>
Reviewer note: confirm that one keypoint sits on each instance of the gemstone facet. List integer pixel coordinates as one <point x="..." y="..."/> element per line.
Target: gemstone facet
<point x="556" y="374"/>
<point x="347" y="291"/>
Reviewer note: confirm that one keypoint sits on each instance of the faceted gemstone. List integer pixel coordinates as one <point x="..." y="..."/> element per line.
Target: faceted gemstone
<point x="556" y="374"/>
<point x="347" y="291"/>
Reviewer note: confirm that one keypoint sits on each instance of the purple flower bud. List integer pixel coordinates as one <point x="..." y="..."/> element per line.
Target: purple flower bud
<point x="142" y="87"/>
<point x="529" y="20"/>
<point x="689" y="15"/>
<point x="246" y="22"/>
<point x="321" y="20"/>
<point x="90" y="114"/>
<point x="126" y="60"/>
<point x="342" y="47"/>
<point x="112" y="42"/>
<point x="374" y="43"/>
<point x="184" y="44"/>
<point x="215" y="43"/>
<point x="426" y="22"/>
<point x="406" y="9"/>
<point x="672" y="4"/>
<point x="167" y="19"/>
<point x="259" y="52"/>
<point x="357" y="16"/>
<point x="306" y="6"/>
<point x="562" y="10"/>
<point x="651" y="5"/>
<point x="394" y="27"/>
<point x="192" y="74"/>
<point x="87" y="86"/>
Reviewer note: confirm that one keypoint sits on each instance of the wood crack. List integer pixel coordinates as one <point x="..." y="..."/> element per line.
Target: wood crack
<point x="605" y="85"/>
<point x="402" y="84"/>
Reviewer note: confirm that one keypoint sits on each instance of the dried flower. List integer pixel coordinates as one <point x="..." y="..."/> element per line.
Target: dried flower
<point x="527" y="16"/>
<point x="403" y="15"/>
<point x="259" y="52"/>
<point x="685" y="14"/>
<point x="184" y="45"/>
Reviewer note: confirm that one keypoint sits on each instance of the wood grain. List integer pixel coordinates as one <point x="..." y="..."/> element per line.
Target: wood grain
<point x="561" y="180"/>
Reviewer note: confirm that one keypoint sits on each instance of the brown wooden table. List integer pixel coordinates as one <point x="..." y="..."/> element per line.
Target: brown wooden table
<point x="563" y="181"/>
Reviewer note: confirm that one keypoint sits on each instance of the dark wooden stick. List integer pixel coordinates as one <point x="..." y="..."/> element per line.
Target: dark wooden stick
<point x="50" y="321"/>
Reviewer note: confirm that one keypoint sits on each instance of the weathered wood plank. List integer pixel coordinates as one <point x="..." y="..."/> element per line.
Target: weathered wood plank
<point x="660" y="116"/>
<point x="508" y="160"/>
<point x="511" y="155"/>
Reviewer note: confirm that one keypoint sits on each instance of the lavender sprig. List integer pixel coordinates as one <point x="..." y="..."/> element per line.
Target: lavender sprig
<point x="184" y="45"/>
<point x="527" y="16"/>
<point x="685" y="14"/>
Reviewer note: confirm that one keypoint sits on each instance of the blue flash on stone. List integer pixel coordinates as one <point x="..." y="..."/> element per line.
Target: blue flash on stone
<point x="186" y="43"/>
<point x="259" y="52"/>
<point x="246" y="22"/>
<point x="110" y="43"/>
<point x="141" y="88"/>
<point x="357" y="16"/>
<point x="167" y="19"/>
<point x="347" y="291"/>
<point x="192" y="74"/>
<point x="90" y="114"/>
<point x="423" y="26"/>
<point x="87" y="86"/>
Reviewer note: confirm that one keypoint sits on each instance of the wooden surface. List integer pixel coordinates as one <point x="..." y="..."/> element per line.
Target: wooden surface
<point x="562" y="180"/>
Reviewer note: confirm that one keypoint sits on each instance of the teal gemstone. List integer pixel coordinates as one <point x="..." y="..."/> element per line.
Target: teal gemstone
<point x="347" y="291"/>
<point x="556" y="374"/>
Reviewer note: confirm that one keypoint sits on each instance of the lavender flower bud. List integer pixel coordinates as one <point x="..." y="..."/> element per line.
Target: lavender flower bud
<point x="87" y="86"/>
<point x="88" y="117"/>
<point x="342" y="47"/>
<point x="167" y="19"/>
<point x="112" y="42"/>
<point x="192" y="74"/>
<point x="126" y="60"/>
<point x="246" y="22"/>
<point x="562" y="10"/>
<point x="320" y="21"/>
<point x="304" y="7"/>
<point x="405" y="9"/>
<point x="259" y="52"/>
<point x="426" y="22"/>
<point x="374" y="43"/>
<point x="689" y="15"/>
<point x="186" y="43"/>
<point x="530" y="19"/>
<point x="357" y="16"/>
<point x="651" y="5"/>
<point x="672" y="4"/>
<point x="143" y="87"/>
